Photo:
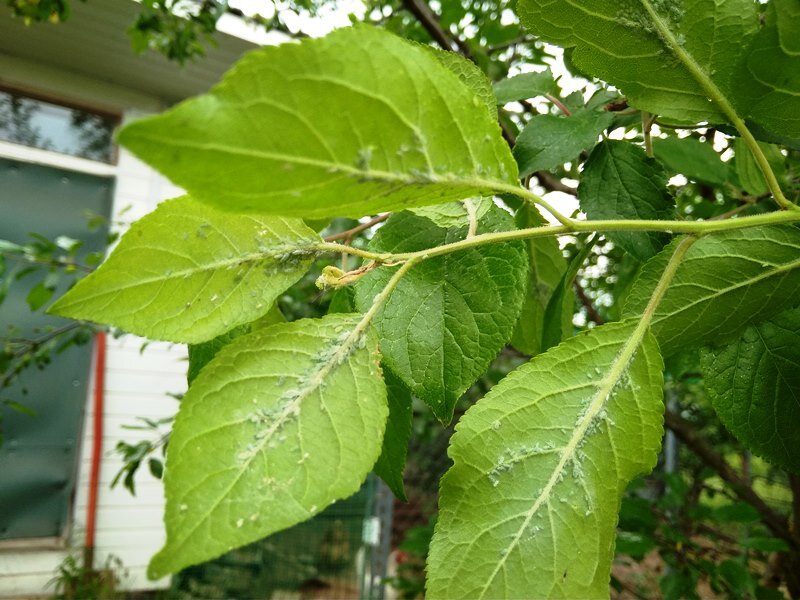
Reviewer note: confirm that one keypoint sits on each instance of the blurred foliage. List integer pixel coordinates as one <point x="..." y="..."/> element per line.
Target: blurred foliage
<point x="52" y="264"/>
<point x="73" y="581"/>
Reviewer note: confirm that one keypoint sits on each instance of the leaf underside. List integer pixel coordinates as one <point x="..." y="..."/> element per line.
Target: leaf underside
<point x="188" y="272"/>
<point x="281" y="423"/>
<point x="355" y="123"/>
<point x="725" y="281"/>
<point x="529" y="508"/>
<point x="771" y="81"/>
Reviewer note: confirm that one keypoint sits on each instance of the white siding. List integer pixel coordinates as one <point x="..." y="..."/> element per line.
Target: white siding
<point x="136" y="384"/>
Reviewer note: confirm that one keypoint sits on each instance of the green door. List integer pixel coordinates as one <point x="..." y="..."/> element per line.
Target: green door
<point x="39" y="455"/>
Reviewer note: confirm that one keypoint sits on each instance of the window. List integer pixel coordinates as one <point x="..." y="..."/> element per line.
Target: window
<point x="39" y="453"/>
<point x="39" y="124"/>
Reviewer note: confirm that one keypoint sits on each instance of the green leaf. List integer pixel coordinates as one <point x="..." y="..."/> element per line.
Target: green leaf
<point x="470" y="75"/>
<point x="188" y="272"/>
<point x="770" y="81"/>
<point x="548" y="141"/>
<point x="556" y="329"/>
<point x="355" y="123"/>
<point x="726" y="281"/>
<point x="738" y="512"/>
<point x="660" y="54"/>
<point x="449" y="316"/>
<point x="281" y="423"/>
<point x="547" y="266"/>
<point x="19" y="407"/>
<point x="635" y="545"/>
<point x="342" y="301"/>
<point x="39" y="295"/>
<point x="765" y="544"/>
<point x="201" y="354"/>
<point x="156" y="468"/>
<point x="454" y="214"/>
<point x="620" y="182"/>
<point x="738" y="577"/>
<point x="747" y="170"/>
<point x="529" y="507"/>
<point x="692" y="158"/>
<point x="524" y="86"/>
<point x="754" y="385"/>
<point x="392" y="461"/>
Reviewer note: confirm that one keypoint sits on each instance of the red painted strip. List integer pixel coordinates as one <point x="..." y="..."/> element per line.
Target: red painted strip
<point x="97" y="445"/>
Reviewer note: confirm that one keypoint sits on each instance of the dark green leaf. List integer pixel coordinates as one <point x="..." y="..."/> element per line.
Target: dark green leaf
<point x="620" y="182"/>
<point x="547" y="267"/>
<point x="449" y="316"/>
<point x="765" y="544"/>
<point x="739" y="512"/>
<point x="548" y="141"/>
<point x="692" y="158"/>
<point x="39" y="295"/>
<point x="156" y="468"/>
<point x="525" y="86"/>
<point x="555" y="327"/>
<point x="392" y="461"/>
<point x="754" y="385"/>
<point x="634" y="545"/>
<point x="738" y="577"/>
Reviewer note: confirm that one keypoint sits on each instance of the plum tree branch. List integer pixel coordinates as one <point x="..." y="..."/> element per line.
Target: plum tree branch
<point x="698" y="228"/>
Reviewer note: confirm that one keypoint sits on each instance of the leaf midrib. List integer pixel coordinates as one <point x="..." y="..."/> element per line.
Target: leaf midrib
<point x="604" y="389"/>
<point x="449" y="179"/>
<point x="184" y="273"/>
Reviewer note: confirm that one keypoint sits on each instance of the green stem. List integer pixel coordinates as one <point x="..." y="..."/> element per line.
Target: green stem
<point x="697" y="228"/>
<point x="647" y="126"/>
<point x="718" y="98"/>
<point x="663" y="283"/>
<point x="529" y="196"/>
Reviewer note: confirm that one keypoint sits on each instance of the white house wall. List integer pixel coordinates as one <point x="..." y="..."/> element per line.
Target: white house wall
<point x="136" y="384"/>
